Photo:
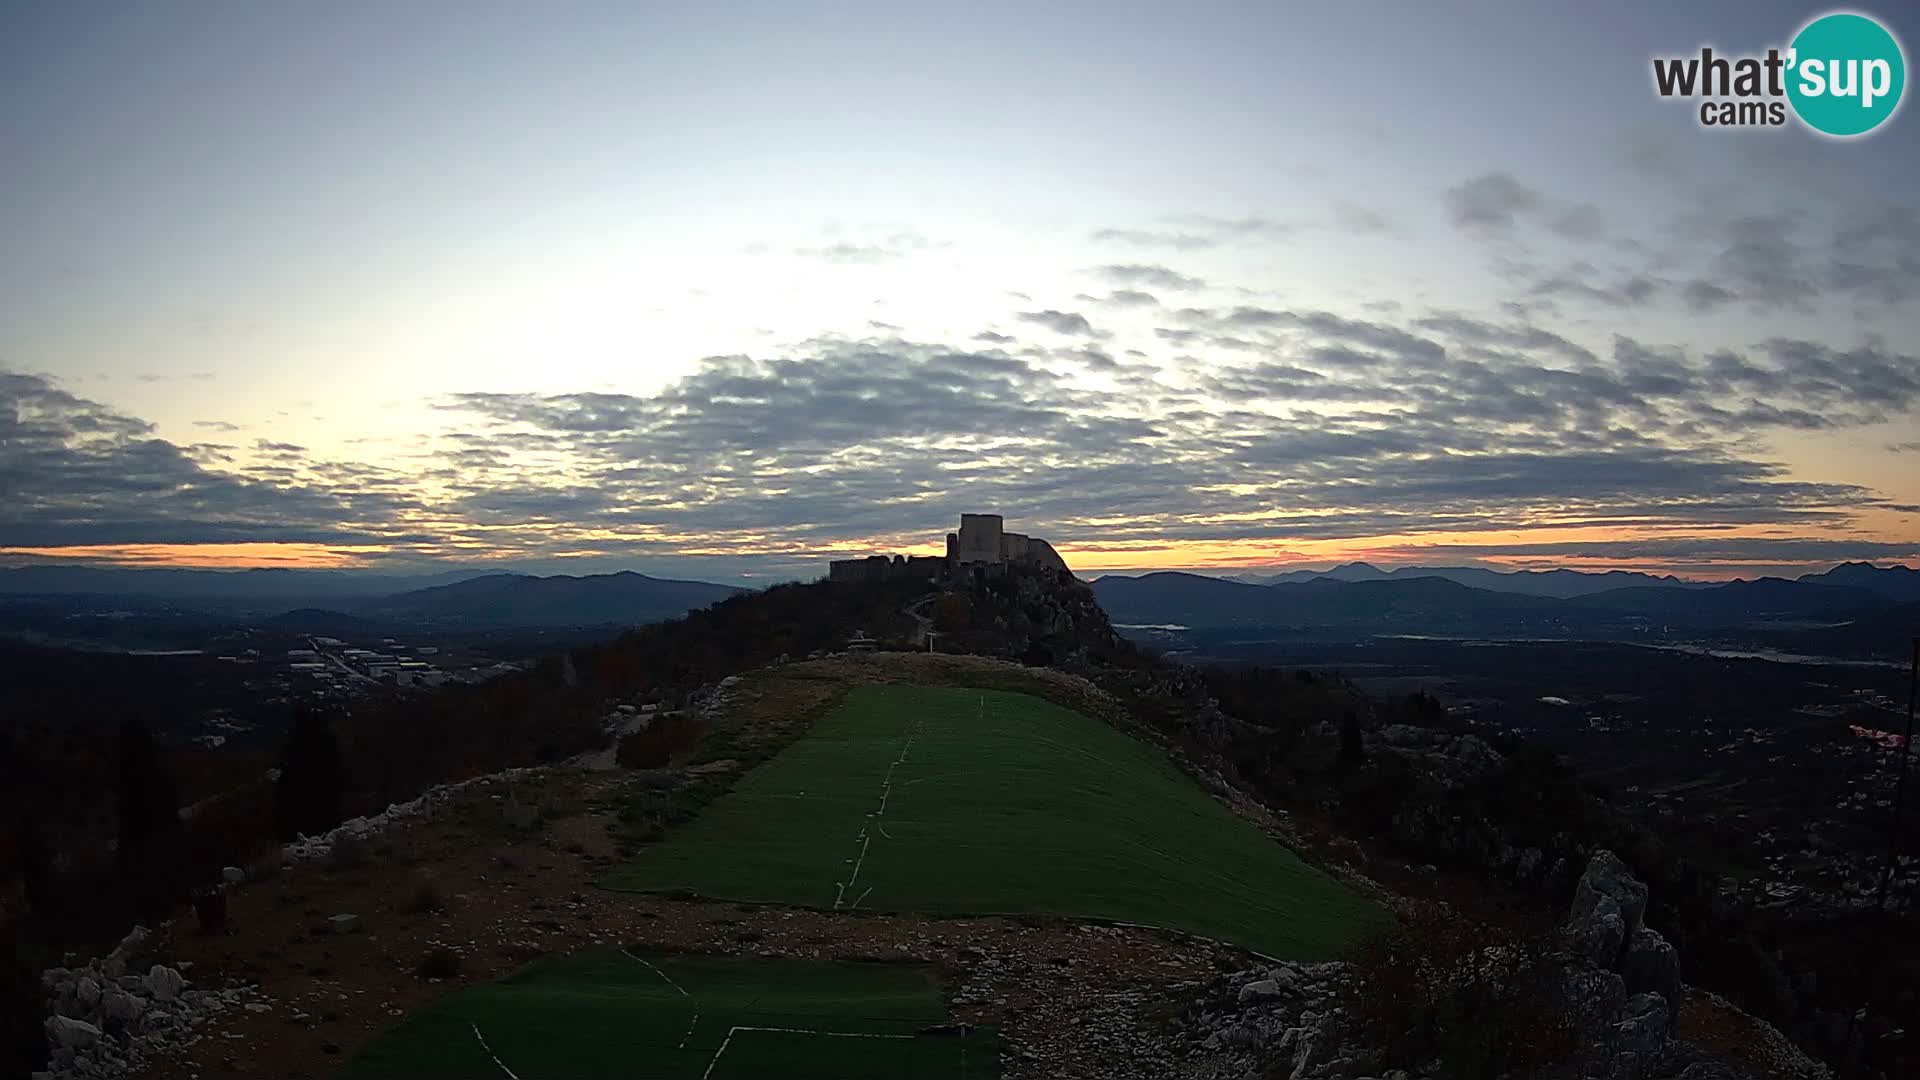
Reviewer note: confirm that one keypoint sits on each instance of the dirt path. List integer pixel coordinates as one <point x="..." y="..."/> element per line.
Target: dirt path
<point x="922" y="622"/>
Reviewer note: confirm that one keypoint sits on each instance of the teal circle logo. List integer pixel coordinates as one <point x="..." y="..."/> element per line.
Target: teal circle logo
<point x="1845" y="74"/>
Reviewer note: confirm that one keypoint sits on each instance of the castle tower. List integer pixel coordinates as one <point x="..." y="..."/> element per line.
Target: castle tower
<point x="979" y="539"/>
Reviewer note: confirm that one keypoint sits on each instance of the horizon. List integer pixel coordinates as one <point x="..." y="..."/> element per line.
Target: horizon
<point x="725" y="295"/>
<point x="471" y="570"/>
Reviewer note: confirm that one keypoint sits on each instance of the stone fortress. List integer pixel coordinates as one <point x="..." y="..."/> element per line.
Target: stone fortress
<point x="981" y="546"/>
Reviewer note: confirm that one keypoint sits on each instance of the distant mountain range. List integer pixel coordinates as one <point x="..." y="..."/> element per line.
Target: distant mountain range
<point x="1561" y="584"/>
<point x="264" y="589"/>
<point x="1412" y="603"/>
<point x="1899" y="582"/>
<point x="1895" y="582"/>
<point x="625" y="598"/>
<point x="336" y="601"/>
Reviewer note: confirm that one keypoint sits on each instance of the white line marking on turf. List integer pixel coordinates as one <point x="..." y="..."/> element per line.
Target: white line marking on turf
<point x="732" y="1031"/>
<point x="695" y="1022"/>
<point x="865" y="838"/>
<point x="496" y="1058"/>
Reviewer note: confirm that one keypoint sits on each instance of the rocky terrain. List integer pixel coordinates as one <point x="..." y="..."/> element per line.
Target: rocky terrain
<point x="109" y="1019"/>
<point x="1619" y="978"/>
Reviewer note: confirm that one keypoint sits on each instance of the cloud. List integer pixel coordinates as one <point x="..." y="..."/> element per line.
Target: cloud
<point x="1158" y="277"/>
<point x="1195" y="232"/>
<point x="885" y="249"/>
<point x="1451" y="424"/>
<point x="1353" y="218"/>
<point x="78" y="472"/>
<point x="1266" y="424"/>
<point x="1060" y="322"/>
<point x="1713" y="255"/>
<point x="1177" y="241"/>
<point x="1683" y="550"/>
<point x="1497" y="202"/>
<point x="216" y="425"/>
<point x="1491" y="200"/>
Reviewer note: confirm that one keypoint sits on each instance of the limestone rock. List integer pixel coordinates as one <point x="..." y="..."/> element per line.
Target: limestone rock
<point x="233" y="875"/>
<point x="70" y="1034"/>
<point x="344" y="924"/>
<point x="121" y="1007"/>
<point x="1592" y="995"/>
<point x="1709" y="1070"/>
<point x="164" y="983"/>
<point x="1651" y="965"/>
<point x="1607" y="878"/>
<point x="1260" y="989"/>
<point x="115" y="962"/>
<point x="1640" y="1037"/>
<point x="1601" y="935"/>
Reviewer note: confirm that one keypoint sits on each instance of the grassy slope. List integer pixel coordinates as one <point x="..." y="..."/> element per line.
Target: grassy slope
<point x="1003" y="803"/>
<point x="605" y="1013"/>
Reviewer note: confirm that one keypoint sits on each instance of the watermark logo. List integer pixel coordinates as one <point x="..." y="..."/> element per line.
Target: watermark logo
<point x="1843" y="75"/>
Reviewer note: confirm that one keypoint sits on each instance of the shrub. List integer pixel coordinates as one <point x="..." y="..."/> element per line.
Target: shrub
<point x="210" y="910"/>
<point x="349" y="852"/>
<point x="146" y="805"/>
<point x="424" y="899"/>
<point x="655" y="745"/>
<point x="654" y="779"/>
<point x="307" y="797"/>
<point x="1438" y="984"/>
<point x="23" y="1044"/>
<point x="439" y="962"/>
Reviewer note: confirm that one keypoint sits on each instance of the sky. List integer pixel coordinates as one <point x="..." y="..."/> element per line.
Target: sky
<point x="723" y="290"/>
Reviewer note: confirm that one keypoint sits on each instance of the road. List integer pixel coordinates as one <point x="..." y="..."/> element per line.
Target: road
<point x="922" y="622"/>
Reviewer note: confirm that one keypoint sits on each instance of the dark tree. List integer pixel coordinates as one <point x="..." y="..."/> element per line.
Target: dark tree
<point x="36" y="865"/>
<point x="307" y="797"/>
<point x="1353" y="750"/>
<point x="147" y="806"/>
<point x="23" y="1041"/>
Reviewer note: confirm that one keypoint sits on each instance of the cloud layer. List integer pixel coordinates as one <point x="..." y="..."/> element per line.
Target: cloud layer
<point x="1303" y="425"/>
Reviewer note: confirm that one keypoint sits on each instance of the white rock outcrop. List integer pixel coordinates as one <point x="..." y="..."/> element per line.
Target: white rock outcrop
<point x="106" y="1022"/>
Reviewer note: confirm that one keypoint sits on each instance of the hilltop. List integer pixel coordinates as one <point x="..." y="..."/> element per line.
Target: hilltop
<point x="1393" y="799"/>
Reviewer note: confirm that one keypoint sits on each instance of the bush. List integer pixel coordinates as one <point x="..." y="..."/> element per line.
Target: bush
<point x="424" y="899"/>
<point x="439" y="963"/>
<point x="146" y="805"/>
<point x="1440" y="985"/>
<point x="655" y="745"/>
<point x="210" y="910"/>
<point x="307" y="797"/>
<point x="23" y="1044"/>
<point x="655" y="779"/>
<point x="349" y="852"/>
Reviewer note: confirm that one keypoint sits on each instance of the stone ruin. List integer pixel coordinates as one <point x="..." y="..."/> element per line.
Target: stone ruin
<point x="982" y="545"/>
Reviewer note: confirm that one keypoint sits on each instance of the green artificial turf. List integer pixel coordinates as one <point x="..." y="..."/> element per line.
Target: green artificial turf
<point x="996" y="802"/>
<point x="612" y="1013"/>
